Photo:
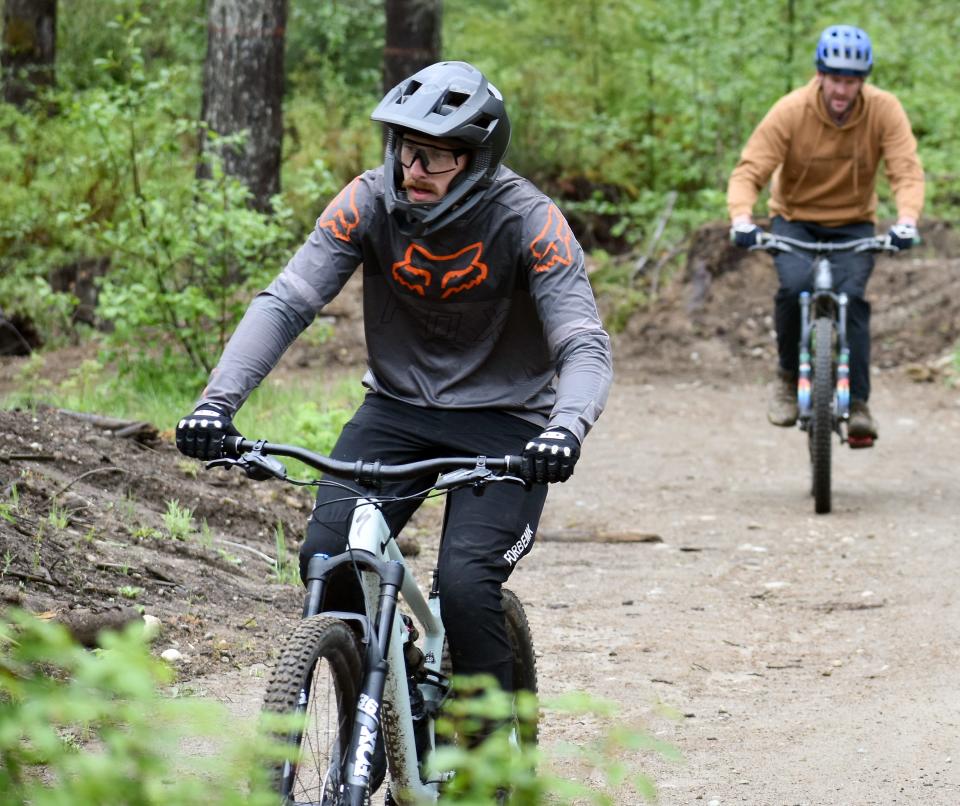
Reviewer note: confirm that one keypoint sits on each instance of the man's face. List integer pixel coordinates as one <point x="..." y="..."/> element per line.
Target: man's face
<point x="839" y="93"/>
<point x="429" y="166"/>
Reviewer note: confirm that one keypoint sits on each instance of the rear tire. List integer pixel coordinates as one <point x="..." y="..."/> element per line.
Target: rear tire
<point x="323" y="658"/>
<point x="821" y="423"/>
<point x="524" y="658"/>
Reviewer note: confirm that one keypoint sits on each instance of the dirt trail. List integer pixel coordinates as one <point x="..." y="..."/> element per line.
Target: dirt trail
<point x="808" y="659"/>
<point x="813" y="657"/>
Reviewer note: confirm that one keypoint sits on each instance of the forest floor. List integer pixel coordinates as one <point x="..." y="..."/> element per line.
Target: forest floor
<point x="791" y="658"/>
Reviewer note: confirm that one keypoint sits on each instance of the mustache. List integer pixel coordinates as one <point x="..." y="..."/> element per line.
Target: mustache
<point x="417" y="184"/>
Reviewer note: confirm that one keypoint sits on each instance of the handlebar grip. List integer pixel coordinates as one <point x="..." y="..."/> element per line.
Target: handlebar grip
<point x="513" y="465"/>
<point x="233" y="446"/>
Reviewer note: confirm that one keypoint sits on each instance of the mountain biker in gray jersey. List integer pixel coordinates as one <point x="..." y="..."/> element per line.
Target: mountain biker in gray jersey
<point x="482" y="337"/>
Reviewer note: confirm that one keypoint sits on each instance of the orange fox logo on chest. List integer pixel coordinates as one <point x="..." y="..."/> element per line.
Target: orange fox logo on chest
<point x="458" y="272"/>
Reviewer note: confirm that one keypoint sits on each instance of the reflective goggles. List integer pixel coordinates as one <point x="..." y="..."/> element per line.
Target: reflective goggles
<point x="433" y="159"/>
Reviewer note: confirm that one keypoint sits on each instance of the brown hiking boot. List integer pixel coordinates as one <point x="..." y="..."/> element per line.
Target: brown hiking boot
<point x="783" y="409"/>
<point x="861" y="425"/>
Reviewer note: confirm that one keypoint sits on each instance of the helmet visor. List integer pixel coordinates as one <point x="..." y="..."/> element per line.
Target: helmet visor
<point x="433" y="159"/>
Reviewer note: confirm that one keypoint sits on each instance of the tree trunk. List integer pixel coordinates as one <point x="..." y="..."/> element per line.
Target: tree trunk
<point x="243" y="90"/>
<point x="412" y="38"/>
<point x="29" y="48"/>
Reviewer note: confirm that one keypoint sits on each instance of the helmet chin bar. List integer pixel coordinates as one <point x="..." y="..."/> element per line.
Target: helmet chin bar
<point x="418" y="219"/>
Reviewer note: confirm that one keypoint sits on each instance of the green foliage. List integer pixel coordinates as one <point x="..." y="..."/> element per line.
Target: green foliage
<point x="634" y="99"/>
<point x="534" y="775"/>
<point x="114" y="174"/>
<point x="178" y="521"/>
<point x="286" y="570"/>
<point x="614" y="106"/>
<point x="89" y="728"/>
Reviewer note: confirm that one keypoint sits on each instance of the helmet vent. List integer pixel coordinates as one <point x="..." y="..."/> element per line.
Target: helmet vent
<point x="409" y="90"/>
<point x="484" y="121"/>
<point x="451" y="102"/>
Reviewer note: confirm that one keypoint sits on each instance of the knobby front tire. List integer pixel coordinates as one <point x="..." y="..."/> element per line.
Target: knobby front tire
<point x="821" y="424"/>
<point x="322" y="658"/>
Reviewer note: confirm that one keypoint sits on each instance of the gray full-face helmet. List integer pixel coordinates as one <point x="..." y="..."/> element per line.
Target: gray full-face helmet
<point x="453" y="101"/>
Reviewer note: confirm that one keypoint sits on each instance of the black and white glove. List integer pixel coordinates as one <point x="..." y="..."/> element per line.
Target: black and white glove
<point x="201" y="433"/>
<point x="903" y="236"/>
<point x="550" y="457"/>
<point x="745" y="234"/>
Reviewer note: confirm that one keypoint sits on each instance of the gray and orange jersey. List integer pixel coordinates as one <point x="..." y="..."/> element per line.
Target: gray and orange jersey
<point x="494" y="311"/>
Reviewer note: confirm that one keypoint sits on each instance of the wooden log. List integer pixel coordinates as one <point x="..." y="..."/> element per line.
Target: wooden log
<point x="598" y="536"/>
<point x="136" y="429"/>
<point x="86" y="625"/>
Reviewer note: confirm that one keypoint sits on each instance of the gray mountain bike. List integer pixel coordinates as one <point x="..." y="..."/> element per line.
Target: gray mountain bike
<point x="823" y="383"/>
<point x="367" y="694"/>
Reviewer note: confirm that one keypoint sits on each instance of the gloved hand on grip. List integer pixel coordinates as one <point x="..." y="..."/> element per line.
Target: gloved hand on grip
<point x="201" y="433"/>
<point x="745" y="234"/>
<point x="550" y="457"/>
<point x="903" y="236"/>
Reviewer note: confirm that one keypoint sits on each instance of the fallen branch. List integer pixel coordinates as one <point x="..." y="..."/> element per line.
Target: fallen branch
<point x="260" y="554"/>
<point x="655" y="238"/>
<point x="29" y="577"/>
<point x="597" y="536"/>
<point x="137" y="429"/>
<point x="678" y="248"/>
<point x="110" y="469"/>
<point x="27" y="457"/>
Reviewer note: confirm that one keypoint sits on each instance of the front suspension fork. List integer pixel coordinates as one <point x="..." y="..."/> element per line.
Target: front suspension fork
<point x="843" y="361"/>
<point x="803" y="377"/>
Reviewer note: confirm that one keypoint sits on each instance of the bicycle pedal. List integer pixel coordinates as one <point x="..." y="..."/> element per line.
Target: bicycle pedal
<point x="860" y="442"/>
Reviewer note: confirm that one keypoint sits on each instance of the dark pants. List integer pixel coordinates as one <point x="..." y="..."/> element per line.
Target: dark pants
<point x="851" y="271"/>
<point x="484" y="536"/>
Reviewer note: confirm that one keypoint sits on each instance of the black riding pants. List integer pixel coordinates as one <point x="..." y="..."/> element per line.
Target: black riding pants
<point x="851" y="271"/>
<point x="484" y="537"/>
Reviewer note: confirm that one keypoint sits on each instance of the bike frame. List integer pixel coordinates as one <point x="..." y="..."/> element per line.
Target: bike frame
<point x="384" y="701"/>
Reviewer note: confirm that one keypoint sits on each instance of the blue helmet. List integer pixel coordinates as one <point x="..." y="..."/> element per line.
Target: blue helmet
<point x="844" y="50"/>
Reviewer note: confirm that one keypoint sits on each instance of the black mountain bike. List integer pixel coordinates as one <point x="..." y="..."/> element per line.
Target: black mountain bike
<point x="366" y="692"/>
<point x="823" y="383"/>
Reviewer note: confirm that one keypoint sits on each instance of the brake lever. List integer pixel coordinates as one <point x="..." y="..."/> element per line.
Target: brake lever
<point x="260" y="468"/>
<point x="255" y="465"/>
<point x="225" y="461"/>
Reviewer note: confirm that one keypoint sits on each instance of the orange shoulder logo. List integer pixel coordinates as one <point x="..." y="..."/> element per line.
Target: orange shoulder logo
<point x="458" y="272"/>
<point x="551" y="247"/>
<point x="341" y="216"/>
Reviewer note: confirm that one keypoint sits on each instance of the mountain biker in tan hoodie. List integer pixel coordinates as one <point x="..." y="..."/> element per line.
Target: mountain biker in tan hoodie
<point x="820" y="147"/>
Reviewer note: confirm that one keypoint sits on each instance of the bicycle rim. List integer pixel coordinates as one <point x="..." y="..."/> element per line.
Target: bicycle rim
<point x="315" y="677"/>
<point x="821" y="423"/>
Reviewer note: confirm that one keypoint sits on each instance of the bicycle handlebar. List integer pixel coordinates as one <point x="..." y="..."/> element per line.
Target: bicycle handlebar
<point x="769" y="242"/>
<point x="370" y="472"/>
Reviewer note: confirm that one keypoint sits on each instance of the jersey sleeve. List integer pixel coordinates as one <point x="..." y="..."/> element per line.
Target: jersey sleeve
<point x="312" y="278"/>
<point x="565" y="303"/>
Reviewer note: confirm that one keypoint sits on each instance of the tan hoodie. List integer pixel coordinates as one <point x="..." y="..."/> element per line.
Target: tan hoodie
<point x="823" y="172"/>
